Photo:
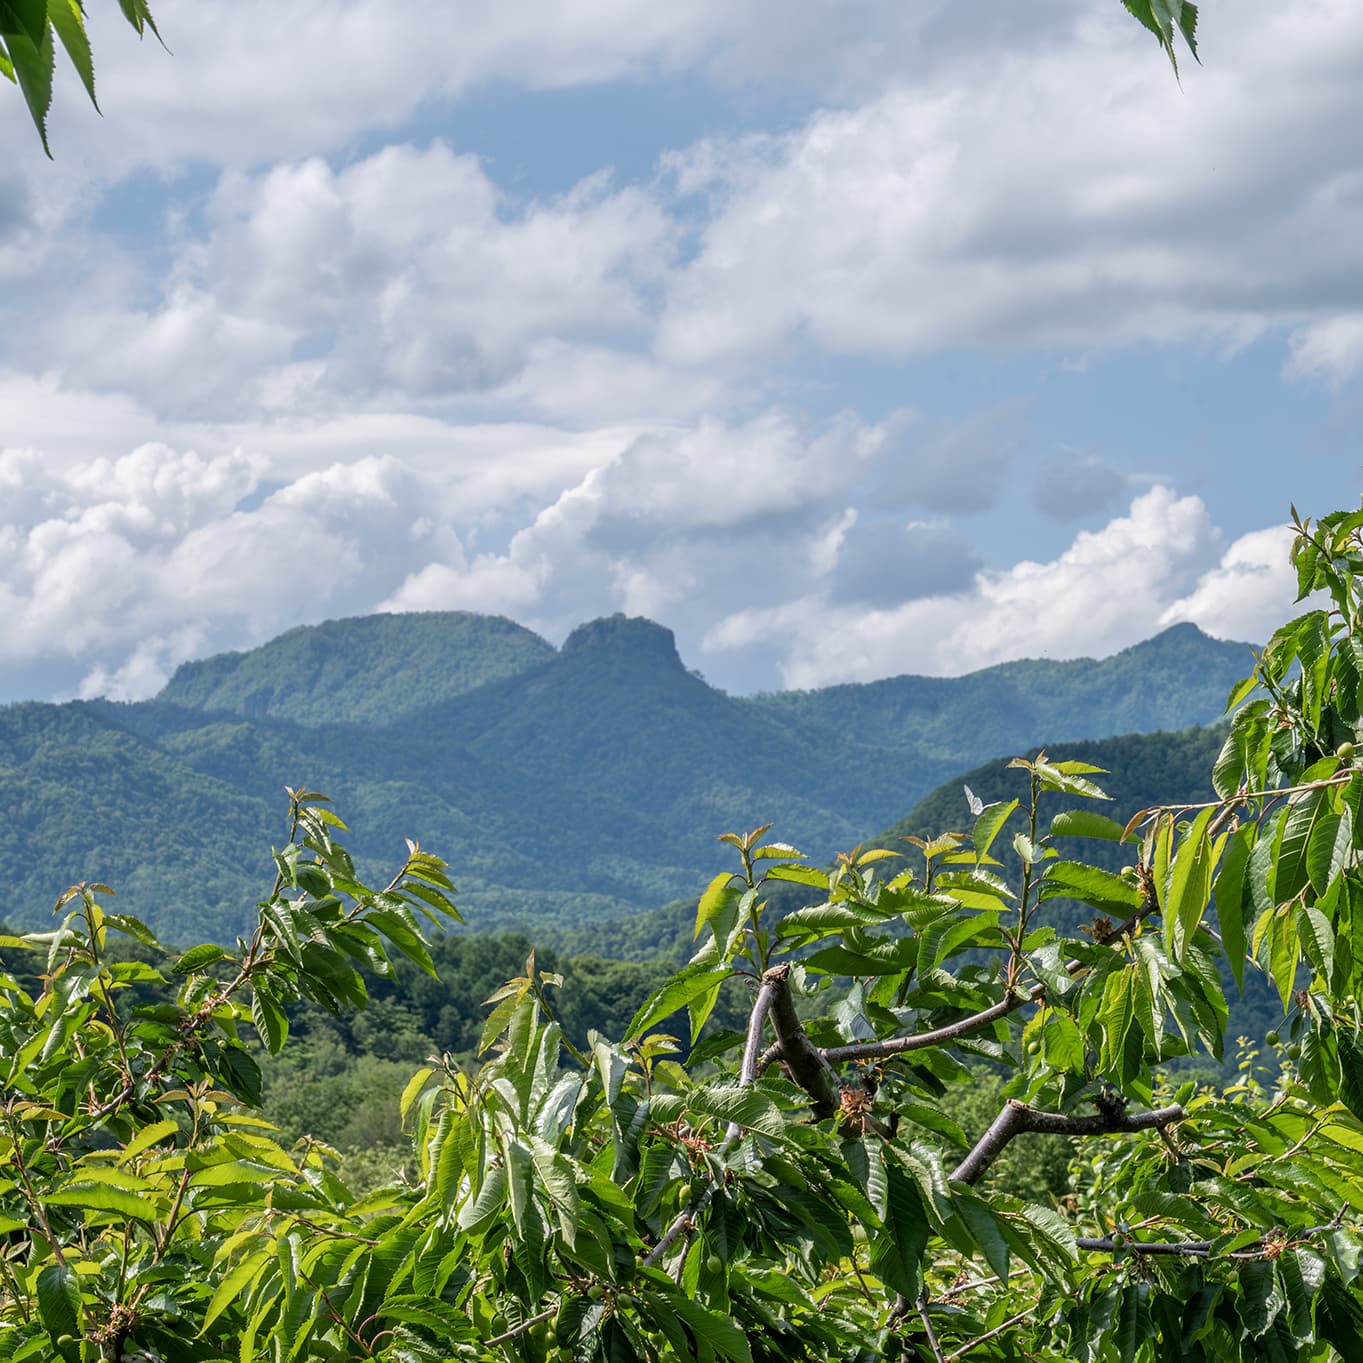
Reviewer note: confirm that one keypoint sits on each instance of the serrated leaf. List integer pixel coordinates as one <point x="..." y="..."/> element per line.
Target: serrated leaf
<point x="236" y="1281"/>
<point x="271" y="1022"/>
<point x="1228" y="893"/>
<point x="1190" y="883"/>
<point x="673" y="996"/>
<point x="100" y="1197"/>
<point x="1086" y="823"/>
<point x="198" y="957"/>
<point x="1304" y="817"/>
<point x="897" y="1248"/>
<point x="68" y="19"/>
<point x="989" y="824"/>
<point x="32" y="64"/>
<point x="59" y="1300"/>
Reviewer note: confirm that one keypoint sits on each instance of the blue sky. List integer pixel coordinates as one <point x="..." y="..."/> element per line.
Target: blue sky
<point x="847" y="339"/>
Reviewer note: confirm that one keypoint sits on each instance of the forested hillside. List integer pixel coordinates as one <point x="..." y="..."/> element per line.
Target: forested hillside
<point x="1141" y="767"/>
<point x="566" y="787"/>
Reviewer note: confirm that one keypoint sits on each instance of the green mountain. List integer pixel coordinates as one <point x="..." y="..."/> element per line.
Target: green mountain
<point x="1177" y="679"/>
<point x="370" y="669"/>
<point x="574" y="786"/>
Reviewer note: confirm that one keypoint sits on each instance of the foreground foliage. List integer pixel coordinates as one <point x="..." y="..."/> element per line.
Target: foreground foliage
<point x="793" y="1188"/>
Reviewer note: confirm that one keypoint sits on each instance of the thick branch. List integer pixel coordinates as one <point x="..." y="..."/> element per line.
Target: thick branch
<point x="802" y="1058"/>
<point x="953" y="1031"/>
<point x="1017" y="1117"/>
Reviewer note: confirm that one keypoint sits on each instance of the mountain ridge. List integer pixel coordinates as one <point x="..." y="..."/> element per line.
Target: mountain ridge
<point x="573" y="784"/>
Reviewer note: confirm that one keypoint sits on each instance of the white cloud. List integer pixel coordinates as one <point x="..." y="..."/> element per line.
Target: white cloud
<point x="1331" y="350"/>
<point x="1248" y="594"/>
<point x="405" y="275"/>
<point x="1111" y="588"/>
<point x="1067" y="196"/>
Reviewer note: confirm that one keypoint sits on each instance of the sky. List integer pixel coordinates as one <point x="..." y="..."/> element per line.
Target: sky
<point x="847" y="338"/>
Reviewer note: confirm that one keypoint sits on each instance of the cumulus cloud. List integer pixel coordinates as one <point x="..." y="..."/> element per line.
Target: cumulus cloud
<point x="1159" y="563"/>
<point x="973" y="208"/>
<point x="122" y="568"/>
<point x="1248" y="594"/>
<point x="406" y="274"/>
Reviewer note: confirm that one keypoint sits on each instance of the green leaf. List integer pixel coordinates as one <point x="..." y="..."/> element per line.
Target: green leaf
<point x="988" y="825"/>
<point x="1133" y="1322"/>
<point x="59" y="1300"/>
<point x="1086" y="823"/>
<point x="1317" y="940"/>
<point x="28" y="17"/>
<point x="799" y="875"/>
<point x="690" y="983"/>
<point x="1339" y="1318"/>
<point x="1350" y="1046"/>
<point x="1229" y="893"/>
<point x="1304" y="817"/>
<point x="100" y="1197"/>
<point x="716" y="893"/>
<point x="716" y="1332"/>
<point x="748" y="1107"/>
<point x="1062" y="1044"/>
<point x="897" y="1249"/>
<point x="1329" y="849"/>
<point x="234" y="1284"/>
<point x="1116" y="1013"/>
<point x="198" y="957"/>
<point x="69" y="21"/>
<point x="32" y="64"/>
<point x="147" y="1137"/>
<point x="1190" y="884"/>
<point x="271" y="1022"/>
<point x="984" y="1229"/>
<point x="1090" y="885"/>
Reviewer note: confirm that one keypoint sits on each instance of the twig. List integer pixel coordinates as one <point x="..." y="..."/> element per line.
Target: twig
<point x="528" y="1324"/>
<point x="927" y="1325"/>
<point x="1105" y="1244"/>
<point x="989" y="1334"/>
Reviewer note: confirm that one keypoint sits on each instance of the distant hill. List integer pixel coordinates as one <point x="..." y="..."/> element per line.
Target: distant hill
<point x="373" y="668"/>
<point x="1177" y="679"/>
<point x="577" y="785"/>
<point x="1142" y="770"/>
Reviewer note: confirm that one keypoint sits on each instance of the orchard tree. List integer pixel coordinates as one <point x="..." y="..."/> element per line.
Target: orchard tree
<point x="793" y="1190"/>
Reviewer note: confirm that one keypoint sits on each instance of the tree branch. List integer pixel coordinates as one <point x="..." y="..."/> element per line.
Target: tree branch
<point x="1104" y="1244"/>
<point x="954" y="1031"/>
<point x="807" y="1064"/>
<point x="1017" y="1117"/>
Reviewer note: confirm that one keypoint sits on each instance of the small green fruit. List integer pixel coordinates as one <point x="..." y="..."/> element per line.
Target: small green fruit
<point x="1271" y="1038"/>
<point x="1344" y="752"/>
<point x="1129" y="873"/>
<point x="595" y="1292"/>
<point x="714" y="1264"/>
<point x="1294" y="1051"/>
<point x="624" y="1300"/>
<point x="66" y="1341"/>
<point x="1118" y="1239"/>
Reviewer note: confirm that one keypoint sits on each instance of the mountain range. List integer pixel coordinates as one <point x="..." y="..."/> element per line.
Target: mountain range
<point x="565" y="786"/>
